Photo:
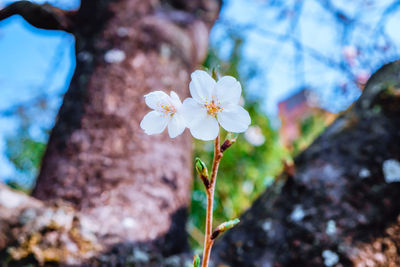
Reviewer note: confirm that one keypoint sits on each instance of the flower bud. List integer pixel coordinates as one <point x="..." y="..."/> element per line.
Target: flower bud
<point x="223" y="227"/>
<point x="201" y="169"/>
<point x="196" y="261"/>
<point x="215" y="73"/>
<point x="230" y="140"/>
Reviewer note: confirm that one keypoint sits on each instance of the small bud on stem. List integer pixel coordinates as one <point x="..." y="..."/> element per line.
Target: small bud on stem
<point x="230" y="140"/>
<point x="223" y="227"/>
<point x="215" y="73"/>
<point x="201" y="169"/>
<point x="196" y="261"/>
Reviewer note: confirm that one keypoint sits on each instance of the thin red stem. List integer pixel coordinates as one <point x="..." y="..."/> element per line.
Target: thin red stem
<point x="208" y="242"/>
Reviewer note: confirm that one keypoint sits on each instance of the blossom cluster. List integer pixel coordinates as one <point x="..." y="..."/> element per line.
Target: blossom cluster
<point x="212" y="104"/>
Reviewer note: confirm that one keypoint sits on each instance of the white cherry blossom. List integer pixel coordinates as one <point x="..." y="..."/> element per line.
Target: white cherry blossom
<point x="166" y="112"/>
<point x="214" y="103"/>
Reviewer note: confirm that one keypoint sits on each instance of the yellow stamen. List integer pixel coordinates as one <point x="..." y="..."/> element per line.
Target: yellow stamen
<point x="167" y="110"/>
<point x="213" y="107"/>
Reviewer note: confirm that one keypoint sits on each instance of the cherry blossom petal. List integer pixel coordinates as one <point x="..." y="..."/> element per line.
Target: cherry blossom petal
<point x="175" y="100"/>
<point x="202" y="86"/>
<point x="155" y="99"/>
<point x="192" y="111"/>
<point x="228" y="90"/>
<point x="205" y="129"/>
<point x="234" y="118"/>
<point x="176" y="125"/>
<point x="154" y="122"/>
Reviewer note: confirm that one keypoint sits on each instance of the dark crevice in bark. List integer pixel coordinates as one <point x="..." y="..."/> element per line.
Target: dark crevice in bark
<point x="91" y="18"/>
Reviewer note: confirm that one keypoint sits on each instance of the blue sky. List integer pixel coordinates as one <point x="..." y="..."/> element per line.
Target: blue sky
<point x="34" y="64"/>
<point x="39" y="63"/>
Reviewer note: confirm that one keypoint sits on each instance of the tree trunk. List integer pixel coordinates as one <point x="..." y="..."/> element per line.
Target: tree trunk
<point x="98" y="158"/>
<point x="133" y="188"/>
<point x="339" y="204"/>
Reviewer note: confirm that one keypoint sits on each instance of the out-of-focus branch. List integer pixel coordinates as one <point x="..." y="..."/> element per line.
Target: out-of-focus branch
<point x="278" y="37"/>
<point x="44" y="16"/>
<point x="339" y="15"/>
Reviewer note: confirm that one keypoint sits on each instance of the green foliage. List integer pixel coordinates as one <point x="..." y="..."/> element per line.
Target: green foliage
<point x="24" y="152"/>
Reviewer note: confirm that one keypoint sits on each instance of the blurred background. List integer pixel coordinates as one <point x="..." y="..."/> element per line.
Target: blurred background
<point x="300" y="62"/>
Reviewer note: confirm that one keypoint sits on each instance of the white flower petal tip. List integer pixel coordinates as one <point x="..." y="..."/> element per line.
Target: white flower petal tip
<point x="212" y="103"/>
<point x="201" y="86"/>
<point x="228" y="90"/>
<point x="154" y="99"/>
<point x="176" y="101"/>
<point x="166" y="112"/>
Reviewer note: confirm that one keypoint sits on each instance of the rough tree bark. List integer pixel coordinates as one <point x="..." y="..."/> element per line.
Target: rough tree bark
<point x="339" y="204"/>
<point x="130" y="187"/>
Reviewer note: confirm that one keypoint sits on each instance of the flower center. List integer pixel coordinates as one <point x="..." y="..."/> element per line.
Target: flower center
<point x="213" y="107"/>
<point x="168" y="110"/>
